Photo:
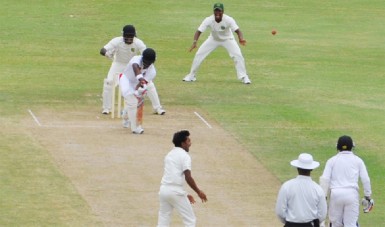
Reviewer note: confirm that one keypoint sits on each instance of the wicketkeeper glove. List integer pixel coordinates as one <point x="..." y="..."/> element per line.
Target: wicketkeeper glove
<point x="367" y="204"/>
<point x="109" y="55"/>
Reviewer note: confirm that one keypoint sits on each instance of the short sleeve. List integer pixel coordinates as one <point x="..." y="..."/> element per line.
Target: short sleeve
<point x="233" y="25"/>
<point x="110" y="46"/>
<point x="205" y="24"/>
<point x="150" y="73"/>
<point x="140" y="45"/>
<point x="186" y="162"/>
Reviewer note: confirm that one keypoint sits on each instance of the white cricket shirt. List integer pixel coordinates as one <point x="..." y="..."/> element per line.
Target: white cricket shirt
<point x="128" y="81"/>
<point x="219" y="31"/>
<point x="301" y="200"/>
<point x="175" y="163"/>
<point x="123" y="52"/>
<point x="343" y="171"/>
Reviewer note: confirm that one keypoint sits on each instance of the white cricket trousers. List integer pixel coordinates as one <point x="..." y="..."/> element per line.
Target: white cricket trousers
<point x="152" y="94"/>
<point x="170" y="199"/>
<point x="344" y="207"/>
<point x="211" y="44"/>
<point x="131" y="108"/>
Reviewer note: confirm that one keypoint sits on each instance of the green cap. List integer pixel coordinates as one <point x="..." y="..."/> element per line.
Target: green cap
<point x="219" y="6"/>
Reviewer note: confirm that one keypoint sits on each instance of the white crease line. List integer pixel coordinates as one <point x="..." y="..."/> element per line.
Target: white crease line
<point x="208" y="125"/>
<point x="35" y="118"/>
<point x="79" y="126"/>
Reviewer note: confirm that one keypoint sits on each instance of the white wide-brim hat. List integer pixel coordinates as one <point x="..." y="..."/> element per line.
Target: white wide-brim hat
<point x="305" y="161"/>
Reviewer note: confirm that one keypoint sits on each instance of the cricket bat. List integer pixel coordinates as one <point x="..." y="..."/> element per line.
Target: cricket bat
<point x="139" y="113"/>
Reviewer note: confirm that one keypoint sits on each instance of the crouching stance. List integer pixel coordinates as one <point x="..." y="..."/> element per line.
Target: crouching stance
<point x="177" y="165"/>
<point x="133" y="85"/>
<point x="121" y="50"/>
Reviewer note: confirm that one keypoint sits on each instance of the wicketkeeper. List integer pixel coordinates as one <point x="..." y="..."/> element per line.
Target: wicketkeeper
<point x="121" y="50"/>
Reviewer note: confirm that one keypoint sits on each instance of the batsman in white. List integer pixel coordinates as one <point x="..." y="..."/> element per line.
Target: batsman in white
<point x="177" y="169"/>
<point x="301" y="201"/>
<point x="222" y="27"/>
<point x="340" y="176"/>
<point x="120" y="50"/>
<point x="133" y="86"/>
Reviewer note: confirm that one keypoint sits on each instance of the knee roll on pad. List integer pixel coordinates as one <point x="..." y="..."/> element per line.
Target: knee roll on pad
<point x="107" y="94"/>
<point x="108" y="83"/>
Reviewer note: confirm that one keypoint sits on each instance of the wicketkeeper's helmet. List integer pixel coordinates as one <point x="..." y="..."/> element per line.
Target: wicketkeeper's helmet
<point x="129" y="30"/>
<point x="345" y="143"/>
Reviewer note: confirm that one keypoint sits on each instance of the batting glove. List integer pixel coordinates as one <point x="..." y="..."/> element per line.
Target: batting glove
<point x="141" y="91"/>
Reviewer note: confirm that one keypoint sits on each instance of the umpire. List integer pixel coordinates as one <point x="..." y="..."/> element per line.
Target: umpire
<point x="301" y="201"/>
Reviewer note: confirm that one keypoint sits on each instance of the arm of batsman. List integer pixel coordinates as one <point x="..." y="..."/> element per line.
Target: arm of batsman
<point x="141" y="91"/>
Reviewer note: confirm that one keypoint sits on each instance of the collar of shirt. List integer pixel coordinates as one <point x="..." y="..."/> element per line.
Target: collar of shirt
<point x="303" y="177"/>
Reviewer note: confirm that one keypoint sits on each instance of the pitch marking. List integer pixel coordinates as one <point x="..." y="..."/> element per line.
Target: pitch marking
<point x="34" y="118"/>
<point x="200" y="117"/>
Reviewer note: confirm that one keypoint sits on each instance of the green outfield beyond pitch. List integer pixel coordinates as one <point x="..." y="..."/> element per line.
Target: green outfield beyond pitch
<point x="321" y="76"/>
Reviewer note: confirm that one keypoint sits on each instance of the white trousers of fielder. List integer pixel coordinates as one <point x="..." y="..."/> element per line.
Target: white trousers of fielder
<point x="211" y="44"/>
<point x="169" y="199"/>
<point x="344" y="207"/>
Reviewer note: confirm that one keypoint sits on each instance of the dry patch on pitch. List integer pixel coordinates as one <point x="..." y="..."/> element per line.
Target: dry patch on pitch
<point x="118" y="173"/>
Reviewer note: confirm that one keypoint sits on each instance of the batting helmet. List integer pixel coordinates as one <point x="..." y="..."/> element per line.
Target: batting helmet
<point x="149" y="56"/>
<point x="129" y="30"/>
<point x="345" y="143"/>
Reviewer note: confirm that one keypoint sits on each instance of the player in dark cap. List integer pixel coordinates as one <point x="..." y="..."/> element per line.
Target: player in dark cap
<point x="340" y="177"/>
<point x="133" y="84"/>
<point x="120" y="50"/>
<point x="222" y="27"/>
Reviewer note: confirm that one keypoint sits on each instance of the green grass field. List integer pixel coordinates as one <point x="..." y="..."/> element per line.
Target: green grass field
<point x="320" y="77"/>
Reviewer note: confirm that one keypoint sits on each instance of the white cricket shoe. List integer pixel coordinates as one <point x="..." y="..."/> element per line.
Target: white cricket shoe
<point x="189" y="78"/>
<point x="160" y="111"/>
<point x="106" y="111"/>
<point x="138" y="130"/>
<point x="246" y="80"/>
